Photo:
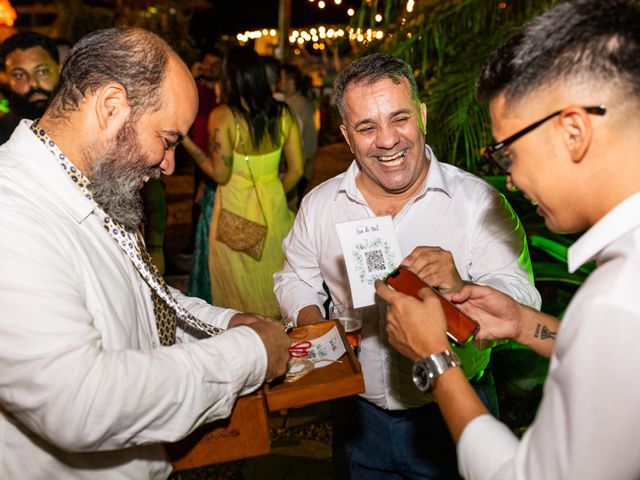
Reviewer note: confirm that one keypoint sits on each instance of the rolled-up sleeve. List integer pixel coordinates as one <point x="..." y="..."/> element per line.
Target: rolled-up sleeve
<point x="499" y="253"/>
<point x="299" y="284"/>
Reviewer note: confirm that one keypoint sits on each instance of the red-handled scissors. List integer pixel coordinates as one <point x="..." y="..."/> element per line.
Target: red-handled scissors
<point x="300" y="349"/>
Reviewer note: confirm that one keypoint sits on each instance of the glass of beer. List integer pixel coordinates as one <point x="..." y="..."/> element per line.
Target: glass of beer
<point x="351" y="320"/>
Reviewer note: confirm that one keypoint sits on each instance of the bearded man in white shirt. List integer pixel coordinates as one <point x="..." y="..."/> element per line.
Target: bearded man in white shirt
<point x="564" y="96"/>
<point x="100" y="361"/>
<point x="453" y="229"/>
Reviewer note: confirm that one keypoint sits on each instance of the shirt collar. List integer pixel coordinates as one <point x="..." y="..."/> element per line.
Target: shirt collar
<point x="48" y="169"/>
<point x="616" y="223"/>
<point x="435" y="179"/>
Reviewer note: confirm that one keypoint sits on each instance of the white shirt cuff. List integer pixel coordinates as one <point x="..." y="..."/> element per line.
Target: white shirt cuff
<point x="487" y="450"/>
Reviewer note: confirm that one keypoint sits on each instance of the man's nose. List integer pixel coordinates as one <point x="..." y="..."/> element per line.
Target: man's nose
<point x="168" y="164"/>
<point x="33" y="81"/>
<point x="387" y="137"/>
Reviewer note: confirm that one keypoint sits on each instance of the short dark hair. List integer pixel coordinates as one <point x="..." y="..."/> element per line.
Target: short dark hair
<point x="291" y="71"/>
<point x="213" y="51"/>
<point x="133" y="57"/>
<point x="25" y="40"/>
<point x="370" y="69"/>
<point x="583" y="40"/>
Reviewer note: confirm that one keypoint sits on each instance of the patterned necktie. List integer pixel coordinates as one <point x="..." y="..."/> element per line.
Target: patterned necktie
<point x="166" y="309"/>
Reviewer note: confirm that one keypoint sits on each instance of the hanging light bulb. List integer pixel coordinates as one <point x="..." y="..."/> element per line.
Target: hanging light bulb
<point x="410" y="5"/>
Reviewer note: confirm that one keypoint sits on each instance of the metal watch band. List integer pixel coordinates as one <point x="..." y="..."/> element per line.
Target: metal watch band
<point x="426" y="371"/>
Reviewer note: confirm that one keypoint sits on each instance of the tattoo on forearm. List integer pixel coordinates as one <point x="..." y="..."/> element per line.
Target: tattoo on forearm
<point x="227" y="159"/>
<point x="543" y="332"/>
<point x="215" y="144"/>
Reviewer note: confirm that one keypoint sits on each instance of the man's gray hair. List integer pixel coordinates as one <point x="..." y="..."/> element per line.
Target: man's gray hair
<point x="133" y="57"/>
<point x="370" y="69"/>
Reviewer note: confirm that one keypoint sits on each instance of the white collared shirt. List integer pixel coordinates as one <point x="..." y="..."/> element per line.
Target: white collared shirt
<point x="588" y="421"/>
<point x="85" y="391"/>
<point x="453" y="210"/>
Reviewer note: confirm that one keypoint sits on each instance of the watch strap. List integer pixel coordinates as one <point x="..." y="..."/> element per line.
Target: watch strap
<point x="427" y="370"/>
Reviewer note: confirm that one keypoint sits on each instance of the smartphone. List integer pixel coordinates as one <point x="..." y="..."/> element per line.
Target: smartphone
<point x="460" y="327"/>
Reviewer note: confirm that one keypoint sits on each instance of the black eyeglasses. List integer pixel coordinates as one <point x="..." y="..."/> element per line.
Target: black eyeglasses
<point x="495" y="153"/>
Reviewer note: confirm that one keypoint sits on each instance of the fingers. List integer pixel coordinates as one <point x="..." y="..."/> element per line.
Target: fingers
<point x="425" y="293"/>
<point x="277" y="345"/>
<point x="464" y="294"/>
<point x="384" y="291"/>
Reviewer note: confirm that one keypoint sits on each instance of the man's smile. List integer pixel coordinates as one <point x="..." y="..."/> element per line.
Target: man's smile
<point x="392" y="160"/>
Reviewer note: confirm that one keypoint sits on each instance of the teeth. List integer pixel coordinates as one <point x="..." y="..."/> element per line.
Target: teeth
<point x="393" y="160"/>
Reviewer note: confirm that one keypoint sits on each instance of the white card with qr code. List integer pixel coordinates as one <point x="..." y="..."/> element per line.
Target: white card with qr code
<point x="371" y="250"/>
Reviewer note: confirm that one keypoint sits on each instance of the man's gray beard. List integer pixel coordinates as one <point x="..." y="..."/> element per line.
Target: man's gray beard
<point x="115" y="176"/>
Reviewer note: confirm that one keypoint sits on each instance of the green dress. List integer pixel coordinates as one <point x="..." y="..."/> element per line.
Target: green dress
<point x="237" y="280"/>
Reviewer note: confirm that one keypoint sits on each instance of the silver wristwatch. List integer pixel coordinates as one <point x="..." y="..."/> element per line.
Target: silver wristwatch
<point x="426" y="371"/>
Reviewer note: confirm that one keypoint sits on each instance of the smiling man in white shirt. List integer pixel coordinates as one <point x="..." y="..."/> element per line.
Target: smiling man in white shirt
<point x="100" y="361"/>
<point x="564" y="96"/>
<point x="452" y="227"/>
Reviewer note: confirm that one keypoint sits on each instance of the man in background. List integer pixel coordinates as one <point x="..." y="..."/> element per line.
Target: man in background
<point x="30" y="61"/>
<point x="206" y="73"/>
<point x="290" y="84"/>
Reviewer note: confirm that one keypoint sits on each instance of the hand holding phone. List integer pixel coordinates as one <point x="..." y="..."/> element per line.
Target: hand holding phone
<point x="460" y="327"/>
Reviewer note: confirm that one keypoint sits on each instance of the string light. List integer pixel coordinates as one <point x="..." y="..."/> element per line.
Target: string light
<point x="321" y="4"/>
<point x="410" y="4"/>
<point x="351" y="12"/>
<point x="378" y="18"/>
<point x="252" y="35"/>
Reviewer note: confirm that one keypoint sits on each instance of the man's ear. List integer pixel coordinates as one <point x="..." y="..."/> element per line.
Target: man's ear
<point x="345" y="134"/>
<point x="422" y="120"/>
<point x="577" y="132"/>
<point x="112" y="106"/>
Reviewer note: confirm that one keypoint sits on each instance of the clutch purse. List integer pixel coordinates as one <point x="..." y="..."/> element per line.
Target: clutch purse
<point x="241" y="234"/>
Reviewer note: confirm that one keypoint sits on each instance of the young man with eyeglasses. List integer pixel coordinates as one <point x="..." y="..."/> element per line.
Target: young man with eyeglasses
<point x="564" y="96"/>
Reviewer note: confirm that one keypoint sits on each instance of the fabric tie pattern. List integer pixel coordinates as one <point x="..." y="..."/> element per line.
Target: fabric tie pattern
<point x="166" y="309"/>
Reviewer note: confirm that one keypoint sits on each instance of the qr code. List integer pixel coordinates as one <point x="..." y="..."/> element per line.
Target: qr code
<point x="375" y="261"/>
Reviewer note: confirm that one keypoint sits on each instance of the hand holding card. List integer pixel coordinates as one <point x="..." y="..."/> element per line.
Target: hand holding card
<point x="460" y="327"/>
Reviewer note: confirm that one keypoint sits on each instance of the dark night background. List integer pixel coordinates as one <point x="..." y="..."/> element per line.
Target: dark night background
<point x="212" y="18"/>
<point x="235" y="16"/>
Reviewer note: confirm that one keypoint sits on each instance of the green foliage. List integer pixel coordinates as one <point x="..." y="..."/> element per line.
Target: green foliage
<point x="169" y="20"/>
<point x="447" y="42"/>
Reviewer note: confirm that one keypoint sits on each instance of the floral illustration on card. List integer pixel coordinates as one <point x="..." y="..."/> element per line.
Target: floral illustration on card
<point x="372" y="259"/>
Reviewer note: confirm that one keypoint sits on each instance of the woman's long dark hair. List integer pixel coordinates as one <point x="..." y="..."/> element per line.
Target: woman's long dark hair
<point x="245" y="78"/>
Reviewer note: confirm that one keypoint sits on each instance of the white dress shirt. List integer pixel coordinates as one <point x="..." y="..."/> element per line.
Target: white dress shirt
<point x="455" y="211"/>
<point x="85" y="390"/>
<point x="587" y="424"/>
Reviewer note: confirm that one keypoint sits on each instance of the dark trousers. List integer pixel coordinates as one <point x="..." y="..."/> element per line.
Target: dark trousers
<point x="370" y="443"/>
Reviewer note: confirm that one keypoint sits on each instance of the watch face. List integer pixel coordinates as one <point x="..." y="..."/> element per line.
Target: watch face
<point x="421" y="377"/>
